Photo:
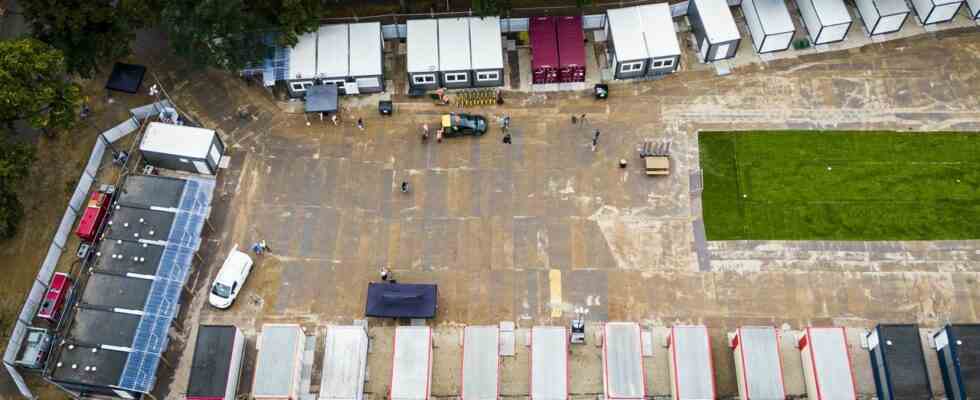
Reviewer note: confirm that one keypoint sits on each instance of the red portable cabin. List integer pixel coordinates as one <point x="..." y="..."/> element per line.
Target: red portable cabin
<point x="571" y="49"/>
<point x="92" y="217"/>
<point x="54" y="298"/>
<point x="544" y="50"/>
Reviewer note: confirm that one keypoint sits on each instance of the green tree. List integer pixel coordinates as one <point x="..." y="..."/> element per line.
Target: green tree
<point x="34" y="86"/>
<point x="15" y="163"/>
<point x="89" y="32"/>
<point x="292" y="18"/>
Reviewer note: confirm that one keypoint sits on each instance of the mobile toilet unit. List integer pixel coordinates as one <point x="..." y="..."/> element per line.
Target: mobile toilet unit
<point x="827" y="21"/>
<point x="826" y="364"/>
<point x="344" y="363"/>
<point x="422" y="60"/>
<point x="882" y="16"/>
<point x="898" y="363"/>
<point x="571" y="49"/>
<point x="487" y="51"/>
<point x="973" y="6"/>
<point x="411" y="364"/>
<point x="549" y="363"/>
<point x="182" y="148"/>
<point x="714" y="29"/>
<point x="691" y="372"/>
<point x="481" y="363"/>
<point x="758" y="366"/>
<point x="958" y="349"/>
<point x="454" y="52"/>
<point x="543" y="34"/>
<point x="643" y="41"/>
<point x="366" y="68"/>
<point x="936" y="11"/>
<point x="769" y="23"/>
<point x="661" y="40"/>
<point x="280" y="360"/>
<point x="217" y="363"/>
<point x="622" y="361"/>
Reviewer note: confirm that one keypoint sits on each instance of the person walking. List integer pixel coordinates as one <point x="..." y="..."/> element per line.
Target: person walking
<point x="595" y="140"/>
<point x="574" y="119"/>
<point x="360" y="124"/>
<point x="385" y="274"/>
<point x="335" y="119"/>
<point x="257" y="248"/>
<point x="425" y="133"/>
<point x="404" y="187"/>
<point x="507" y="138"/>
<point x="581" y="118"/>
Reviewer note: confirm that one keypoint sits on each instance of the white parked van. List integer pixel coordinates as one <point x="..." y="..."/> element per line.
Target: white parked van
<point x="231" y="277"/>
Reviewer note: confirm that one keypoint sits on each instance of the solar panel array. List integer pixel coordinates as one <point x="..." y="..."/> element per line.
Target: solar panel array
<point x="161" y="307"/>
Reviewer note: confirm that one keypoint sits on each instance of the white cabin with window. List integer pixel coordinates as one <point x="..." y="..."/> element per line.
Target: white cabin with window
<point x="423" y="53"/>
<point x="487" y="51"/>
<point x="455" y="63"/>
<point x="347" y="55"/>
<point x="301" y="73"/>
<point x="643" y="40"/>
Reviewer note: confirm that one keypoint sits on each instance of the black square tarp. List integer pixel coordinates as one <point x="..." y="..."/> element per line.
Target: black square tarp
<point x="401" y="300"/>
<point x="126" y="78"/>
<point x="321" y="98"/>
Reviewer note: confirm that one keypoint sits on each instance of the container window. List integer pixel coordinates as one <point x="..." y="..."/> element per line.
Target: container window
<point x="658" y="64"/>
<point x="631" y="67"/>
<point x="422" y="79"/>
<point x="301" y="86"/>
<point x="488" y="76"/>
<point x="456" y="77"/>
<point x="669" y="62"/>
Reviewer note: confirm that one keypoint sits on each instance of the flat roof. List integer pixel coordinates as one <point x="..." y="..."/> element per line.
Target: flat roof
<point x="831" y="12"/>
<point x="831" y="362"/>
<point x="966" y="339"/>
<point x="179" y="140"/>
<point x="127" y="257"/>
<point x="901" y="349"/>
<point x="124" y="223"/>
<point x="622" y="362"/>
<point x="411" y="371"/>
<point x="151" y="190"/>
<point x="211" y="364"/>
<point x="423" y="45"/>
<point x="549" y="363"/>
<point x="571" y="41"/>
<point x="116" y="291"/>
<point x="627" y="34"/>
<point x="280" y="356"/>
<point x="302" y="57"/>
<point x="761" y="365"/>
<point x="344" y="363"/>
<point x="454" y="45"/>
<point x="773" y="16"/>
<point x="87" y="365"/>
<point x="658" y="30"/>
<point x="333" y="51"/>
<point x="94" y="327"/>
<point x="544" y="42"/>
<point x="690" y="350"/>
<point x="481" y="348"/>
<point x="486" y="46"/>
<point x="719" y="24"/>
<point x="891" y="7"/>
<point x="365" y="47"/>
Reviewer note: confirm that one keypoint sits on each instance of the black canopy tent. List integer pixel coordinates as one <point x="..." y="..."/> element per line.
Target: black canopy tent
<point x="321" y="99"/>
<point x="126" y="78"/>
<point x="401" y="300"/>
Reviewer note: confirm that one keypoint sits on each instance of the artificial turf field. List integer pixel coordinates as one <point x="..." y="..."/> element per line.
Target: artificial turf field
<point x="817" y="185"/>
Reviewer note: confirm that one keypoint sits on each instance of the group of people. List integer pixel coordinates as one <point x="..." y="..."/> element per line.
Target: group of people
<point x="425" y="134"/>
<point x="335" y="118"/>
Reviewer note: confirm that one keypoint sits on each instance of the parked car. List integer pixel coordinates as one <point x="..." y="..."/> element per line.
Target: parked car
<point x="459" y="124"/>
<point x="231" y="277"/>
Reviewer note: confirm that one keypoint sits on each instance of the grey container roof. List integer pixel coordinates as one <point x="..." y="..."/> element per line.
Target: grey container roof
<point x="774" y="16"/>
<point x="691" y="350"/>
<point x="454" y="44"/>
<point x="130" y="223"/>
<point x="480" y="363"/>
<point x="831" y="12"/>
<point x="627" y="34"/>
<point x="344" y="363"/>
<point x="93" y="326"/>
<point x="116" y="291"/>
<point x="622" y="364"/>
<point x="302" y="57"/>
<point x="423" y="45"/>
<point x="891" y="7"/>
<point x="412" y="363"/>
<point x="761" y="365"/>
<point x="486" y="47"/>
<point x="901" y="348"/>
<point x="279" y="358"/>
<point x="658" y="30"/>
<point x="365" y="49"/>
<point x="719" y="24"/>
<point x="333" y="51"/>
<point x="128" y="257"/>
<point x="549" y="363"/>
<point x="103" y="366"/>
<point x="178" y="140"/>
<point x="151" y="190"/>
<point x="211" y="364"/>
<point x="831" y="362"/>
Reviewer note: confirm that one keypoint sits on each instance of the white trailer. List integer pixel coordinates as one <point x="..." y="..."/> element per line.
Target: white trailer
<point x="182" y="148"/>
<point x="758" y="367"/>
<point x="411" y="364"/>
<point x="549" y="363"/>
<point x="691" y="372"/>
<point x="936" y="11"/>
<point x="302" y="64"/>
<point x="487" y="51"/>
<point x="277" y="370"/>
<point x="344" y="363"/>
<point x="661" y="40"/>
<point x="827" y="21"/>
<point x="769" y="23"/>
<point x="366" y="64"/>
<point x="714" y="29"/>
<point x="422" y="60"/>
<point x="827" y="364"/>
<point x="455" y="63"/>
<point x="333" y="54"/>
<point x="622" y="361"/>
<point x="479" y="375"/>
<point x="882" y="16"/>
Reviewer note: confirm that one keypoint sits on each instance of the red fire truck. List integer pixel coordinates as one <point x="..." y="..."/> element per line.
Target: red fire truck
<point x="55" y="297"/>
<point x="92" y="217"/>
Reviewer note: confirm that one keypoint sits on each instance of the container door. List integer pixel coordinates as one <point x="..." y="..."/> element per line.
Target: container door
<point x="214" y="155"/>
<point x="722" y="51"/>
<point x="704" y="50"/>
<point x="202" y="167"/>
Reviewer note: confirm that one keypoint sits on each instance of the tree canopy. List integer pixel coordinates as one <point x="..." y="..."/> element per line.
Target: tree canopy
<point x="34" y="86"/>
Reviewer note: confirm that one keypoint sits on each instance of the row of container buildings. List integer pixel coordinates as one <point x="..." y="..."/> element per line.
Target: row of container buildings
<point x="896" y="353"/>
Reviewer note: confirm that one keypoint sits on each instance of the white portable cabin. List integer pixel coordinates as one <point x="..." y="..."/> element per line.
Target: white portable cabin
<point x="973" y="6"/>
<point x="344" y="363"/>
<point x="660" y="39"/>
<point x="769" y="24"/>
<point x="302" y="64"/>
<point x="622" y="361"/>
<point x="366" y="61"/>
<point x="333" y="54"/>
<point x="827" y="364"/>
<point x="629" y="55"/>
<point x="182" y="148"/>
<point x="481" y="363"/>
<point x="549" y="363"/>
<point x="455" y="63"/>
<point x="411" y="364"/>
<point x="758" y="367"/>
<point x="936" y="11"/>
<point x="277" y="369"/>
<point x="487" y="51"/>
<point x="882" y="16"/>
<point x="714" y="29"/>
<point x="423" y="53"/>
<point x="827" y="21"/>
<point x="691" y="373"/>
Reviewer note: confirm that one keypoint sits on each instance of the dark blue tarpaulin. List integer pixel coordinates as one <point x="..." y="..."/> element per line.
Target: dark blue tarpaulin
<point x="401" y="300"/>
<point x="126" y="78"/>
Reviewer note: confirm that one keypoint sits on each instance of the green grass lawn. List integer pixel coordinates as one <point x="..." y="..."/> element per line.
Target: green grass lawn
<point x="809" y="185"/>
